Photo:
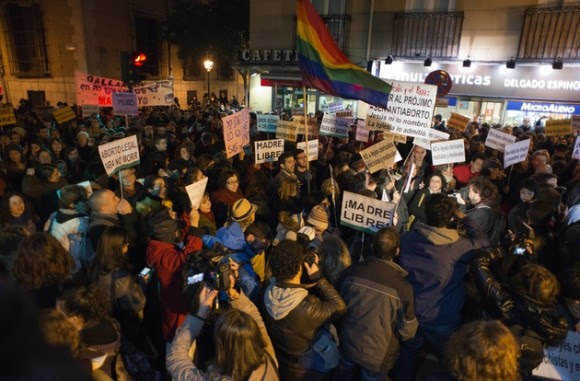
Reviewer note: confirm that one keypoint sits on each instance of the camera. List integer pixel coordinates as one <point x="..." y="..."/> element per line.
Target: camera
<point x="519" y="245"/>
<point x="310" y="256"/>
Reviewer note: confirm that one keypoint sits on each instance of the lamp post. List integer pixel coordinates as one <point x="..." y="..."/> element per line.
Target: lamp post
<point x="208" y="64"/>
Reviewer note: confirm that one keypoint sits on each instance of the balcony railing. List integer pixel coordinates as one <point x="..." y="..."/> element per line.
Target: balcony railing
<point x="422" y="34"/>
<point x="339" y="27"/>
<point x="548" y="33"/>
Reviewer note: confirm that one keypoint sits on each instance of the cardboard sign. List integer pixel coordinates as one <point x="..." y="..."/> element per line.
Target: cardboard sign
<point x="63" y="115"/>
<point x="298" y="122"/>
<point x="362" y="134"/>
<point x="516" y="152"/>
<point x="576" y="150"/>
<point x="379" y="156"/>
<point x="561" y="362"/>
<point x="119" y="154"/>
<point x="442" y="102"/>
<point x="286" y="130"/>
<point x="195" y="192"/>
<point x="396" y="138"/>
<point x="448" y="152"/>
<point x="90" y="110"/>
<point x="268" y="150"/>
<point x="312" y="149"/>
<point x="558" y="127"/>
<point x="458" y="122"/>
<point x="333" y="126"/>
<point x="346" y="114"/>
<point x="362" y="109"/>
<point x="7" y="116"/>
<point x="498" y="140"/>
<point x="576" y="122"/>
<point x="364" y="213"/>
<point x="267" y="123"/>
<point x="409" y="110"/>
<point x="236" y="132"/>
<point x="335" y="106"/>
<point x="125" y="104"/>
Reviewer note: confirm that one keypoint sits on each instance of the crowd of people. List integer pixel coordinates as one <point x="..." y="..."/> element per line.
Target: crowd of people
<point x="118" y="277"/>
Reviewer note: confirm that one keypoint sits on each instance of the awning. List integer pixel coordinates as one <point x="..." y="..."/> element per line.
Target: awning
<point x="279" y="79"/>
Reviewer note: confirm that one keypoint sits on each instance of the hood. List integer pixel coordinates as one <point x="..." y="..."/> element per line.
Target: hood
<point x="232" y="237"/>
<point x="64" y="215"/>
<point x="437" y="236"/>
<point x="279" y="302"/>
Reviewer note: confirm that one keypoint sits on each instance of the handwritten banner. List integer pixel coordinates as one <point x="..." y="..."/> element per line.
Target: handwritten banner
<point x="364" y="213"/>
<point x="195" y="192"/>
<point x="236" y="132"/>
<point x="379" y="156"/>
<point x="125" y="104"/>
<point x="558" y="127"/>
<point x="448" y="152"/>
<point x="267" y="123"/>
<point x="7" y="116"/>
<point x="458" y="122"/>
<point x="333" y="126"/>
<point x="63" y="115"/>
<point x="268" y="150"/>
<point x="286" y="130"/>
<point x="515" y="153"/>
<point x="498" y="140"/>
<point x="119" y="154"/>
<point x="312" y="149"/>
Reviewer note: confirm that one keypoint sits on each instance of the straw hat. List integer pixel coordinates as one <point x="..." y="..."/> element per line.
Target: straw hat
<point x="242" y="209"/>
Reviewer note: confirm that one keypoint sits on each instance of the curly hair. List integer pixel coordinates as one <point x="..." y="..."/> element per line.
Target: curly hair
<point x="538" y="283"/>
<point x="439" y="210"/>
<point x="288" y="188"/>
<point x="58" y="330"/>
<point x="334" y="257"/>
<point x="286" y="259"/>
<point x="84" y="301"/>
<point x="225" y="175"/>
<point x="486" y="190"/>
<point x="483" y="351"/>
<point x="41" y="261"/>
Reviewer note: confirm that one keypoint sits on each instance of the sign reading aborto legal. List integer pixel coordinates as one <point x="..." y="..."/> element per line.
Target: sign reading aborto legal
<point x="516" y="152"/>
<point x="364" y="213"/>
<point x="266" y="151"/>
<point x="448" y="152"/>
<point x="267" y="123"/>
<point x="119" y="154"/>
<point x="333" y="126"/>
<point x="498" y="140"/>
<point x="379" y="156"/>
<point x="63" y="115"/>
<point x="125" y="104"/>
<point x="409" y="110"/>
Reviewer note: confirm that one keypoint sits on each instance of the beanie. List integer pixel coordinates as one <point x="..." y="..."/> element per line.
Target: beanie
<point x="318" y="217"/>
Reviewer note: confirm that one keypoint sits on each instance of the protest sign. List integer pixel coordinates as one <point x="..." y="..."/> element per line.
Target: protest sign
<point x="379" y="156"/>
<point x="424" y="143"/>
<point x="119" y="154"/>
<point x="335" y="106"/>
<point x="498" y="140"/>
<point x="364" y="213"/>
<point x="576" y="122"/>
<point x="90" y="110"/>
<point x="442" y="102"/>
<point x="576" y="150"/>
<point x="286" y="130"/>
<point x="312" y="149"/>
<point x="433" y="135"/>
<point x="195" y="192"/>
<point x="267" y="123"/>
<point x="516" y="152"/>
<point x="561" y="362"/>
<point x="333" y="126"/>
<point x="268" y="150"/>
<point x="7" y="116"/>
<point x="63" y="115"/>
<point x="298" y="122"/>
<point x="558" y="127"/>
<point x="396" y="138"/>
<point x="409" y="110"/>
<point x="362" y="109"/>
<point x="458" y="122"/>
<point x="362" y="134"/>
<point x="448" y="152"/>
<point x="125" y="104"/>
<point x="236" y="132"/>
<point x="155" y="93"/>
<point x="346" y="114"/>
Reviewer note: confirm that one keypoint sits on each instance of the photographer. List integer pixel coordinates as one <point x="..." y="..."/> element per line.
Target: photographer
<point x="240" y="328"/>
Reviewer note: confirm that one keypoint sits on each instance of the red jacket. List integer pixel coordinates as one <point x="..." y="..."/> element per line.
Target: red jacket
<point x="168" y="262"/>
<point x="463" y="174"/>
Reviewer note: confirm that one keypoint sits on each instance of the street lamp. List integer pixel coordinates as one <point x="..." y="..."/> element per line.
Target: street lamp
<point x="208" y="64"/>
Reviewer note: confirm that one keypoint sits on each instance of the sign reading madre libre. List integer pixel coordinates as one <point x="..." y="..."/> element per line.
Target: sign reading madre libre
<point x="119" y="154"/>
<point x="7" y="116"/>
<point x="364" y="213"/>
<point x="379" y="156"/>
<point x="125" y="104"/>
<point x="236" y="132"/>
<point x="498" y="140"/>
<point x="268" y="150"/>
<point x="63" y="115"/>
<point x="448" y="152"/>
<point x="558" y="127"/>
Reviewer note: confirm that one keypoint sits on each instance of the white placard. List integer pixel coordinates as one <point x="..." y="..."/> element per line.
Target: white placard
<point x="409" y="110"/>
<point x="433" y="135"/>
<point x="448" y="152"/>
<point x="379" y="156"/>
<point x="364" y="213"/>
<point x="561" y="362"/>
<point x="385" y="196"/>
<point x="335" y="106"/>
<point x="362" y="134"/>
<point x="576" y="150"/>
<point x="515" y="153"/>
<point x="312" y="149"/>
<point x="195" y="192"/>
<point x="119" y="154"/>
<point x="89" y="110"/>
<point x="267" y="123"/>
<point x="333" y="126"/>
<point x="498" y="140"/>
<point x="125" y="104"/>
<point x="424" y="143"/>
<point x="268" y="150"/>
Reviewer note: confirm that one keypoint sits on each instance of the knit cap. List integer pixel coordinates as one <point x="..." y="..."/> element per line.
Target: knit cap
<point x="318" y="217"/>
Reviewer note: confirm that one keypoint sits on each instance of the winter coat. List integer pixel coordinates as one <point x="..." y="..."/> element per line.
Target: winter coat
<point x="378" y="299"/>
<point x="180" y="366"/>
<point x="168" y="261"/>
<point x="221" y="202"/>
<point x="68" y="226"/>
<point x="125" y="295"/>
<point x="437" y="260"/>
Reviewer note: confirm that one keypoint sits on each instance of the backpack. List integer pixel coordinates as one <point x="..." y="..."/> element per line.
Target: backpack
<point x="86" y="251"/>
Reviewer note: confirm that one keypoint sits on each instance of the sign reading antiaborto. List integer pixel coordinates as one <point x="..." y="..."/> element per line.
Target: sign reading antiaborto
<point x="119" y="154"/>
<point x="364" y="213"/>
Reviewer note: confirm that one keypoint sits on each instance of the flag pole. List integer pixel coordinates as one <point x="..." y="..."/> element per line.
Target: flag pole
<point x="306" y="138"/>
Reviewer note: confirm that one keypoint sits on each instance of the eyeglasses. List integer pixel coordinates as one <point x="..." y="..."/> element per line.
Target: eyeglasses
<point x="232" y="182"/>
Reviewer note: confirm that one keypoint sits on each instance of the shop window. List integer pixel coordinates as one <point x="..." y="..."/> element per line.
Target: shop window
<point x="148" y="41"/>
<point x="24" y="31"/>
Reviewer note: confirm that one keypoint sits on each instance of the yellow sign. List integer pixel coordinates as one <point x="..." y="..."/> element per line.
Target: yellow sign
<point x="558" y="127"/>
<point x="7" y="116"/>
<point x="286" y="130"/>
<point x="457" y="121"/>
<point x="63" y="115"/>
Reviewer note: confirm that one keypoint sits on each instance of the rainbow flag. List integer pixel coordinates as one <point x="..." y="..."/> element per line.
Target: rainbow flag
<point x="325" y="67"/>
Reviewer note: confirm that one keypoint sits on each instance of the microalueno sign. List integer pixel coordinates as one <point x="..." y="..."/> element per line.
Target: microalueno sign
<point x="538" y="82"/>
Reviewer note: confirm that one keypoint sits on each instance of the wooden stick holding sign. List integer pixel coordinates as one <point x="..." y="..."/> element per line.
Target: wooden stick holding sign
<point x="307" y="177"/>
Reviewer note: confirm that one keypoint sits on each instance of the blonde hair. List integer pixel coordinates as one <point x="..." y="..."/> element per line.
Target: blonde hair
<point x="288" y="188"/>
<point x="483" y="351"/>
<point x="327" y="188"/>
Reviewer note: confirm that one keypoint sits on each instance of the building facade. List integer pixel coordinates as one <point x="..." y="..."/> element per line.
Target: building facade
<point x="43" y="43"/>
<point x="396" y="39"/>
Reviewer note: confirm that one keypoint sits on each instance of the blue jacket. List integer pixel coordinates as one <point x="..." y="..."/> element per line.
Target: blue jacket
<point x="437" y="260"/>
<point x="233" y="238"/>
